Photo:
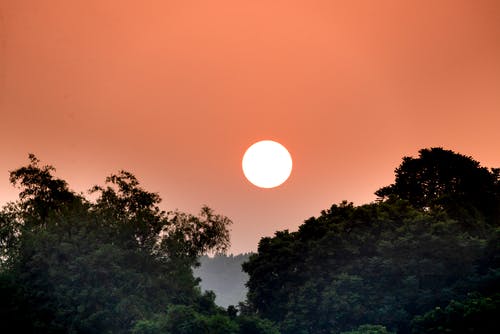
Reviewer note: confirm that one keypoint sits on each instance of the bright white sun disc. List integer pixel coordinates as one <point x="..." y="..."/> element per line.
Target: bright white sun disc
<point x="267" y="164"/>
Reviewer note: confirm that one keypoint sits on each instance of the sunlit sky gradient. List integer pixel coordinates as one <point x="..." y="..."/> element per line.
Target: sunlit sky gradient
<point x="175" y="91"/>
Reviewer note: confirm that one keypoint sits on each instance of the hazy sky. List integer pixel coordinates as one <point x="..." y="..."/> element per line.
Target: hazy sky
<point x="175" y="91"/>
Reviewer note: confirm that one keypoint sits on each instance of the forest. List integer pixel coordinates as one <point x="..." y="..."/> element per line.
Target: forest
<point x="423" y="258"/>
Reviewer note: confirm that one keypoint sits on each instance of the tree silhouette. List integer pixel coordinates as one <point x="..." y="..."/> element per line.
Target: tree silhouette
<point x="71" y="265"/>
<point x="441" y="179"/>
<point x="375" y="267"/>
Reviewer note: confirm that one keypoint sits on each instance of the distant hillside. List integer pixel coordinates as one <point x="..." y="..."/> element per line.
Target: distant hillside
<point x="223" y="275"/>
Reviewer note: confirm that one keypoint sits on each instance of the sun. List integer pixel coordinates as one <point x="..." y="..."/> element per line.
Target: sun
<point x="267" y="164"/>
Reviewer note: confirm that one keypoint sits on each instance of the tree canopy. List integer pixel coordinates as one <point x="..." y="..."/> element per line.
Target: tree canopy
<point x="378" y="267"/>
<point x="441" y="179"/>
<point x="424" y="258"/>
<point x="115" y="264"/>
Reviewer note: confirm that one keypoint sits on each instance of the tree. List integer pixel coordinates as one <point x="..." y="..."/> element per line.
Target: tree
<point x="431" y="238"/>
<point x="256" y="325"/>
<point x="181" y="319"/>
<point x="41" y="193"/>
<point x="273" y="274"/>
<point x="200" y="234"/>
<point x="77" y="266"/>
<point x="381" y="263"/>
<point x="475" y="314"/>
<point x="441" y="179"/>
<point x="136" y="213"/>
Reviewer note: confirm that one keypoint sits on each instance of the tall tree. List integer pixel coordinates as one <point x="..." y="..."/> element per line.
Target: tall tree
<point x="77" y="266"/>
<point x="440" y="179"/>
<point x="41" y="193"/>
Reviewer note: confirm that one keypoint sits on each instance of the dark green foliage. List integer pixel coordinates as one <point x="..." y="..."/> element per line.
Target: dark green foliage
<point x="256" y="325"/>
<point x="115" y="265"/>
<point x="476" y="314"/>
<point x="223" y="275"/>
<point x="148" y="327"/>
<point x="383" y="263"/>
<point x="182" y="319"/>
<point x="369" y="329"/>
<point x="15" y="310"/>
<point x="423" y="259"/>
<point x="273" y="274"/>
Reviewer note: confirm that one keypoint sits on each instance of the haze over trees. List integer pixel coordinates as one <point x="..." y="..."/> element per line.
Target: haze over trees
<point x="424" y="258"/>
<point x="223" y="275"/>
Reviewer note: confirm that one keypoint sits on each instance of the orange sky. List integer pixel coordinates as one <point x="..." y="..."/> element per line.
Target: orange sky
<point x="175" y="91"/>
